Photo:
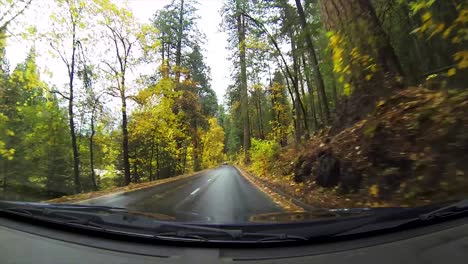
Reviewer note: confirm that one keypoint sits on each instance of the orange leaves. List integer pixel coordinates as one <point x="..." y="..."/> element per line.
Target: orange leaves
<point x="461" y="58"/>
<point x="374" y="190"/>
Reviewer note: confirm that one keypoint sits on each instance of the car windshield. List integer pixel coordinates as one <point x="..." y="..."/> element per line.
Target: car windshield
<point x="233" y="111"/>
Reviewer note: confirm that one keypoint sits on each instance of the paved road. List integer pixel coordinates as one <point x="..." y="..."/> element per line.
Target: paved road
<point x="219" y="195"/>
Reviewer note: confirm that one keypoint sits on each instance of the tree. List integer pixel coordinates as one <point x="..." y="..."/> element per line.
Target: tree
<point x="11" y="10"/>
<point x="123" y="35"/>
<point x="200" y="74"/>
<point x="92" y="101"/>
<point x="180" y="44"/>
<point x="313" y="59"/>
<point x="36" y="137"/>
<point x="302" y="128"/>
<point x="178" y="34"/>
<point x="65" y="39"/>
<point x="241" y="31"/>
<point x="155" y="130"/>
<point x="292" y="72"/>
<point x="213" y="145"/>
<point x="280" y="110"/>
<point x="357" y="31"/>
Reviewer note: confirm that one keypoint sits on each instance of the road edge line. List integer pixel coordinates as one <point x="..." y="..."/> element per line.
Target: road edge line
<point x="98" y="197"/>
<point x="278" y="198"/>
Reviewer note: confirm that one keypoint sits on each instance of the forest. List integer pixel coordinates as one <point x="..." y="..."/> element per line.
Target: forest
<point x="336" y="102"/>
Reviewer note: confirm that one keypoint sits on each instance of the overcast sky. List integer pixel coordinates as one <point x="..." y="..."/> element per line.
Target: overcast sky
<point x="214" y="50"/>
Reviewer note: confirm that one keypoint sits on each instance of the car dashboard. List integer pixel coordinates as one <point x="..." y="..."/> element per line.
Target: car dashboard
<point x="22" y="242"/>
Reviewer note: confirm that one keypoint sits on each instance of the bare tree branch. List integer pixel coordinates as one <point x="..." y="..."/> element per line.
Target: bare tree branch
<point x="6" y="23"/>
<point x="61" y="94"/>
<point x="61" y="56"/>
<point x="272" y="39"/>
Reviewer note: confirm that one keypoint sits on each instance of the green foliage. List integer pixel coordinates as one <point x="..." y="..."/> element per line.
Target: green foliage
<point x="35" y="139"/>
<point x="175" y="124"/>
<point x="452" y="31"/>
<point x="4" y="133"/>
<point x="263" y="153"/>
<point x="213" y="145"/>
<point x="346" y="59"/>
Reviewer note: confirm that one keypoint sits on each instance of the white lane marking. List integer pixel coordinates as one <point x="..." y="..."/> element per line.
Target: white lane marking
<point x="194" y="192"/>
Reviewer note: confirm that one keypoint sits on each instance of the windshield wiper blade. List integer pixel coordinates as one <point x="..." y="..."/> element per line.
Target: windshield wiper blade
<point x="121" y="221"/>
<point x="266" y="237"/>
<point x="239" y="237"/>
<point x="451" y="209"/>
<point x="60" y="215"/>
<point x="386" y="223"/>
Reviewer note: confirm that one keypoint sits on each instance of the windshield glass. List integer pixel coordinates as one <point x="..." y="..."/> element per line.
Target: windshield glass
<point x="234" y="111"/>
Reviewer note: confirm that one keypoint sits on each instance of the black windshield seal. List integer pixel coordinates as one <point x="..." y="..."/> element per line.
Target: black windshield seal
<point x="317" y="231"/>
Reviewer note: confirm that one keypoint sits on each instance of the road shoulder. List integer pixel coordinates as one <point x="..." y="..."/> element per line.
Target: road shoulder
<point x="284" y="202"/>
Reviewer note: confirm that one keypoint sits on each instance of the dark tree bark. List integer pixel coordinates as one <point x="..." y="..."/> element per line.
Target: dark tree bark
<point x="71" y="77"/>
<point x="313" y="61"/>
<point x="301" y="127"/>
<point x="311" y="93"/>
<point x="158" y="171"/>
<point x="123" y="48"/>
<point x="241" y="28"/>
<point x="180" y="32"/>
<point x="357" y="23"/>
<point x="91" y="148"/>
<point x="126" y="155"/>
<point x="150" y="167"/>
<point x="136" y="175"/>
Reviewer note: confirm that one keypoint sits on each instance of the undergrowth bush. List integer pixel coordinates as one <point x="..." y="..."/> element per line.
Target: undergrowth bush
<point x="263" y="154"/>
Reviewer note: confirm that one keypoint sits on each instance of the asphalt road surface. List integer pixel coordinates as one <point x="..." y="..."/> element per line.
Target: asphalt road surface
<point x="219" y="195"/>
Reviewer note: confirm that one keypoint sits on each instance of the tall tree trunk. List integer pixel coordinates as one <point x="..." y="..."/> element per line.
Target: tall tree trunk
<point x="164" y="65"/>
<point x="177" y="69"/>
<point x="184" y="159"/>
<point x="180" y="32"/>
<point x="158" y="171"/>
<point x="151" y="176"/>
<point x="243" y="80"/>
<point x="91" y="150"/>
<point x="262" y="131"/>
<point x="136" y="176"/>
<point x="359" y="30"/>
<point x="357" y="23"/>
<point x="313" y="61"/>
<point x="311" y="92"/>
<point x="3" y="63"/>
<point x="196" y="153"/>
<point x="334" y="91"/>
<point x="163" y="58"/>
<point x="76" y="153"/>
<point x="303" y="94"/>
<point x="302" y="125"/>
<point x="126" y="155"/>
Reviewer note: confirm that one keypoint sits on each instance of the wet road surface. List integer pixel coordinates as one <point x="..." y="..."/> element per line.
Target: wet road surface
<point x="220" y="195"/>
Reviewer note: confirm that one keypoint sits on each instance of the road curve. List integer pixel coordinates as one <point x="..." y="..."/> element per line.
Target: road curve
<point x="220" y="195"/>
